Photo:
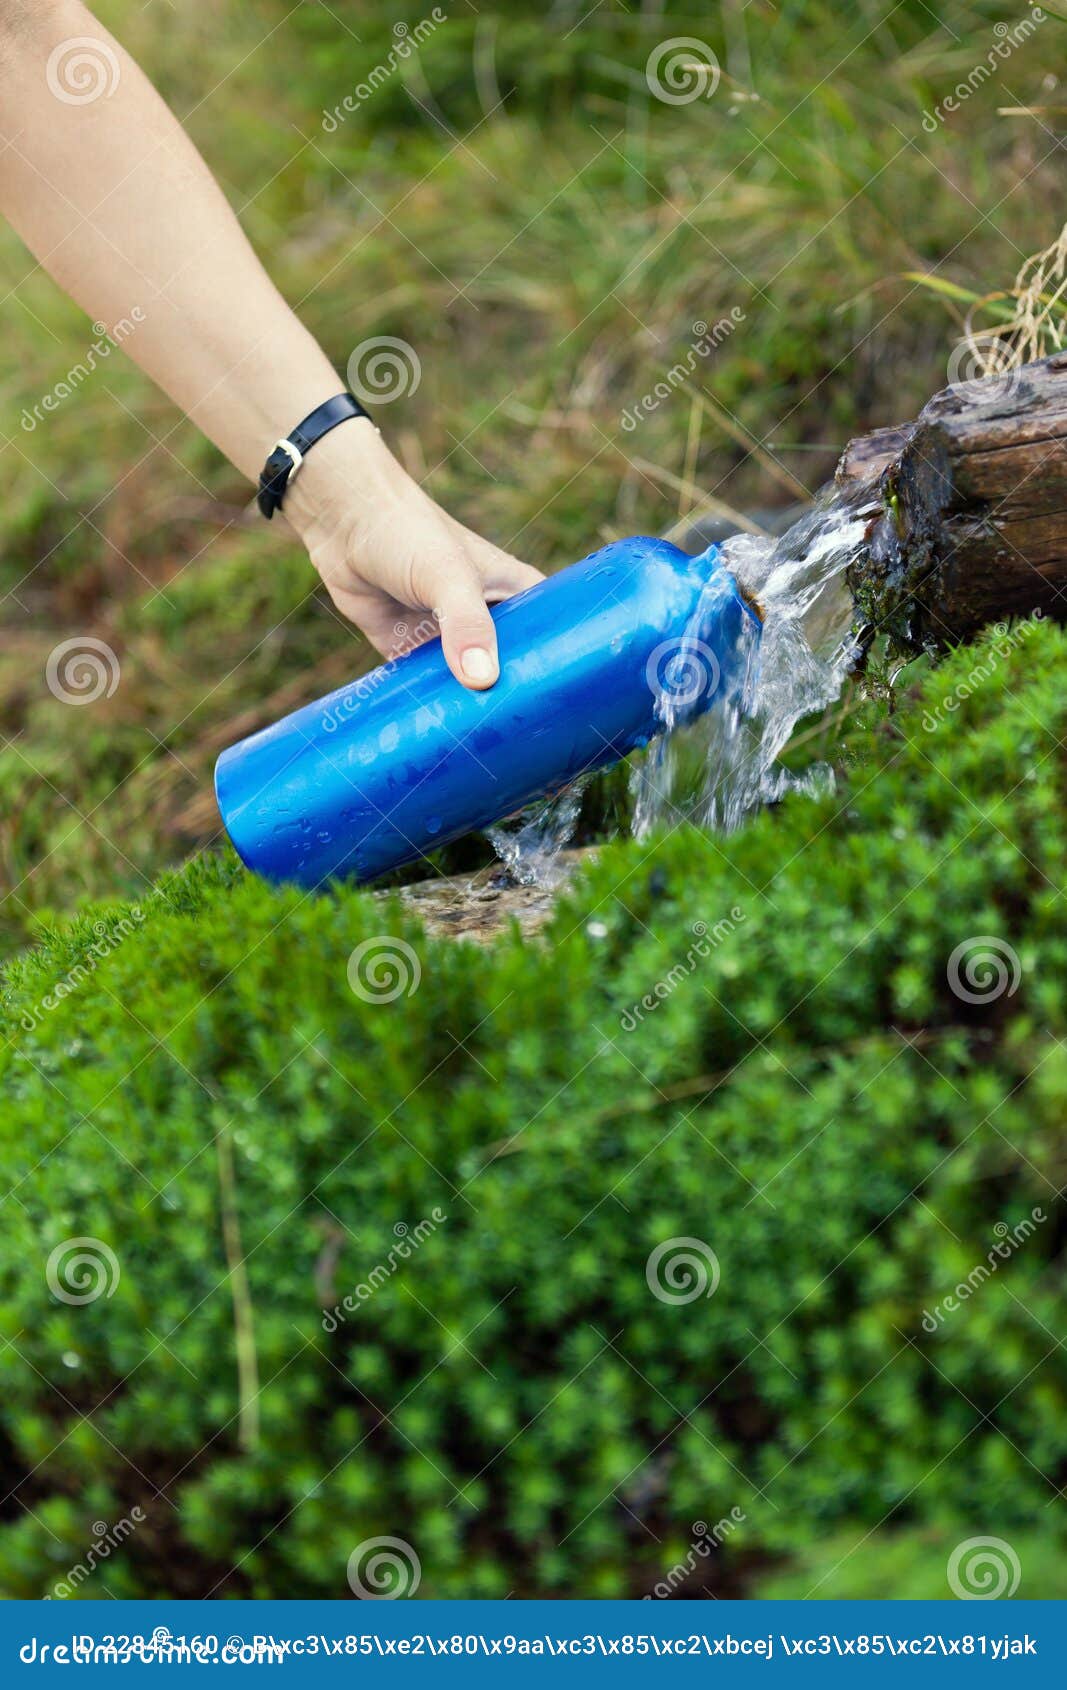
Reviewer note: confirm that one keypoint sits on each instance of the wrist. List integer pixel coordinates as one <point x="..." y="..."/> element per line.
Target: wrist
<point x="349" y="470"/>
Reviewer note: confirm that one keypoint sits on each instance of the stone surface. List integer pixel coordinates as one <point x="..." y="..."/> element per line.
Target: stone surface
<point x="480" y="906"/>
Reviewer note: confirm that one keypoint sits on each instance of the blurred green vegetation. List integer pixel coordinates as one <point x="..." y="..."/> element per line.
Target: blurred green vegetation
<point x="814" y="1102"/>
<point x="811" y="1100"/>
<point x="913" y="1566"/>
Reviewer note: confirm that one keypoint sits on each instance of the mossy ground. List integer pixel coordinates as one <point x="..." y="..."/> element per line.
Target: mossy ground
<point x="809" y="1097"/>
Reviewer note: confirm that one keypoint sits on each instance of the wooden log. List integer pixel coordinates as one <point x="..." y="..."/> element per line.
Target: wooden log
<point x="970" y="521"/>
<point x="865" y="458"/>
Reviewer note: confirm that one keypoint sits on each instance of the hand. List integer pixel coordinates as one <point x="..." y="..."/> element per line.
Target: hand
<point x="384" y="548"/>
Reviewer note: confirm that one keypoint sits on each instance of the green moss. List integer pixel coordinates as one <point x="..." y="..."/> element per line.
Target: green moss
<point x="913" y="1565"/>
<point x="810" y="1100"/>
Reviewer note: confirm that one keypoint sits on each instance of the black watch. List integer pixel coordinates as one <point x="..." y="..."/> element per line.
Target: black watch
<point x="288" y="454"/>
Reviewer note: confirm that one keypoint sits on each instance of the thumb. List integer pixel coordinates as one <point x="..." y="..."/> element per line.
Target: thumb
<point x="468" y="636"/>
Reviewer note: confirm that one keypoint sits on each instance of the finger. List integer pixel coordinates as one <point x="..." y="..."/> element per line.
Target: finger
<point x="502" y="575"/>
<point x="391" y="627"/>
<point x="514" y="577"/>
<point x="467" y="632"/>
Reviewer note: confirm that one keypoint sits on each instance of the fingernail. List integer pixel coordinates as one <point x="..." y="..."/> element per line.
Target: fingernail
<point x="478" y="665"/>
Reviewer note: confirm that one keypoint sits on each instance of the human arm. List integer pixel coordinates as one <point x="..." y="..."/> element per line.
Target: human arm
<point x="115" y="202"/>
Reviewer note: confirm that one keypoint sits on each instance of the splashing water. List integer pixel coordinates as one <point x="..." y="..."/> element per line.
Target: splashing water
<point x="530" y="844"/>
<point x="716" y="770"/>
<point x="720" y="768"/>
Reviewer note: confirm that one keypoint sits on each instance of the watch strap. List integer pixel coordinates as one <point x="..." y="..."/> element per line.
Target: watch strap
<point x="288" y="455"/>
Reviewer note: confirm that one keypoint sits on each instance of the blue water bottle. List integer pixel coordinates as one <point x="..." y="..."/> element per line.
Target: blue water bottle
<point x="594" y="661"/>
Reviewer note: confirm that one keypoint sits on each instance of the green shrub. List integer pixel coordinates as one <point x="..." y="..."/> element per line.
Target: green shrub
<point x="810" y="1100"/>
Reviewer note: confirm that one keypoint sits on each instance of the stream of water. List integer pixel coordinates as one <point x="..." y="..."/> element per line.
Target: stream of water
<point x="531" y="844"/>
<point x="718" y="769"/>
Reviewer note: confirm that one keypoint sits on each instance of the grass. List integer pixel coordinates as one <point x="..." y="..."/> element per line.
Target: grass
<point x="514" y="203"/>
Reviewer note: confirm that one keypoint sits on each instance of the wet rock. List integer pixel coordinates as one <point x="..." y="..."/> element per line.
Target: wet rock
<point x="480" y="906"/>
